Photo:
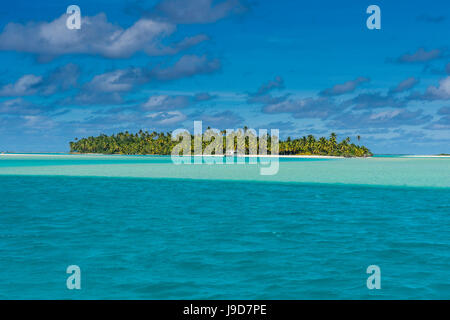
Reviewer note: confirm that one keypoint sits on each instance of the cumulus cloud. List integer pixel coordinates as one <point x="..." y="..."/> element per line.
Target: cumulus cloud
<point x="24" y="86"/>
<point x="405" y="85"/>
<point x="317" y="107"/>
<point x="444" y="122"/>
<point x="437" y="70"/>
<point x="108" y="87"/>
<point x="38" y="122"/>
<point x="421" y="55"/>
<point x="110" y="121"/>
<point x="223" y="120"/>
<point x="60" y="79"/>
<point x="97" y="36"/>
<point x="165" y="102"/>
<point x="267" y="99"/>
<point x="277" y="83"/>
<point x="196" y="11"/>
<point x="383" y="119"/>
<point x="168" y="118"/>
<point x="94" y="98"/>
<point x="343" y="88"/>
<point x="358" y="112"/>
<point x="186" y="66"/>
<point x="440" y="92"/>
<point x="203" y="96"/>
<point x="321" y="108"/>
<point x="117" y="80"/>
<point x="128" y="119"/>
<point x="373" y="100"/>
<point x="19" y="106"/>
<point x="281" y="125"/>
<point x="264" y="96"/>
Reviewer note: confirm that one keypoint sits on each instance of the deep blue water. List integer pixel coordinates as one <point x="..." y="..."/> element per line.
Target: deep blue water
<point x="181" y="239"/>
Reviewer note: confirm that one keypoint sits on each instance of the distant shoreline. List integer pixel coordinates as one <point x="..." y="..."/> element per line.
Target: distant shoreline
<point x="246" y="156"/>
<point x="104" y="154"/>
<point x="428" y="156"/>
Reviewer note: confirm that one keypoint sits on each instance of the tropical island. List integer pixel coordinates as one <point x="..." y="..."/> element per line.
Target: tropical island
<point x="162" y="143"/>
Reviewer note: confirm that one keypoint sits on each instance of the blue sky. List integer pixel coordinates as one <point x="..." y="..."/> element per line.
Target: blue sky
<point x="300" y="67"/>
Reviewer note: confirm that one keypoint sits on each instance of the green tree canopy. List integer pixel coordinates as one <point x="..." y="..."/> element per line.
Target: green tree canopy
<point x="161" y="143"/>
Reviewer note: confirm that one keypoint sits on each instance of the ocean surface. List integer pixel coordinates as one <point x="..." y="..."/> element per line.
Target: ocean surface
<point x="140" y="227"/>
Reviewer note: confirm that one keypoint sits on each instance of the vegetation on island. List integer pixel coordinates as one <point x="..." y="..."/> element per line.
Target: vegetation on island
<point x="155" y="143"/>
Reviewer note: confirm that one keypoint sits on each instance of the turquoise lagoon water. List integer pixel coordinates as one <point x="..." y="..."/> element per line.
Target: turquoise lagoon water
<point x="141" y="227"/>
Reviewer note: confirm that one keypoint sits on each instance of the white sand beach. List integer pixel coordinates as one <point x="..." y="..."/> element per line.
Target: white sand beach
<point x="246" y="156"/>
<point x="427" y="156"/>
<point x="102" y="155"/>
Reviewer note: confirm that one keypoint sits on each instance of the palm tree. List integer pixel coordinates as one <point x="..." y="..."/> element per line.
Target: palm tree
<point x="161" y="143"/>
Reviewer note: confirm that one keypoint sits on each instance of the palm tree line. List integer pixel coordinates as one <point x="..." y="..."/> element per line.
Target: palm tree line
<point x="161" y="143"/>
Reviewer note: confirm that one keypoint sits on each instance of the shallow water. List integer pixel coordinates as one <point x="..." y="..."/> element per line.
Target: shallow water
<point x="382" y="171"/>
<point x="141" y="227"/>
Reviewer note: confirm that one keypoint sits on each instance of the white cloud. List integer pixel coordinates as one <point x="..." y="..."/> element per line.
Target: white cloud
<point x="18" y="106"/>
<point x="421" y="55"/>
<point x="441" y="92"/>
<point x="385" y="115"/>
<point x="186" y="66"/>
<point x="405" y="85"/>
<point x="167" y="118"/>
<point x="110" y="82"/>
<point x="26" y="85"/>
<point x="97" y="36"/>
<point x="59" y="79"/>
<point x="165" y="102"/>
<point x="38" y="122"/>
<point x="346" y="87"/>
